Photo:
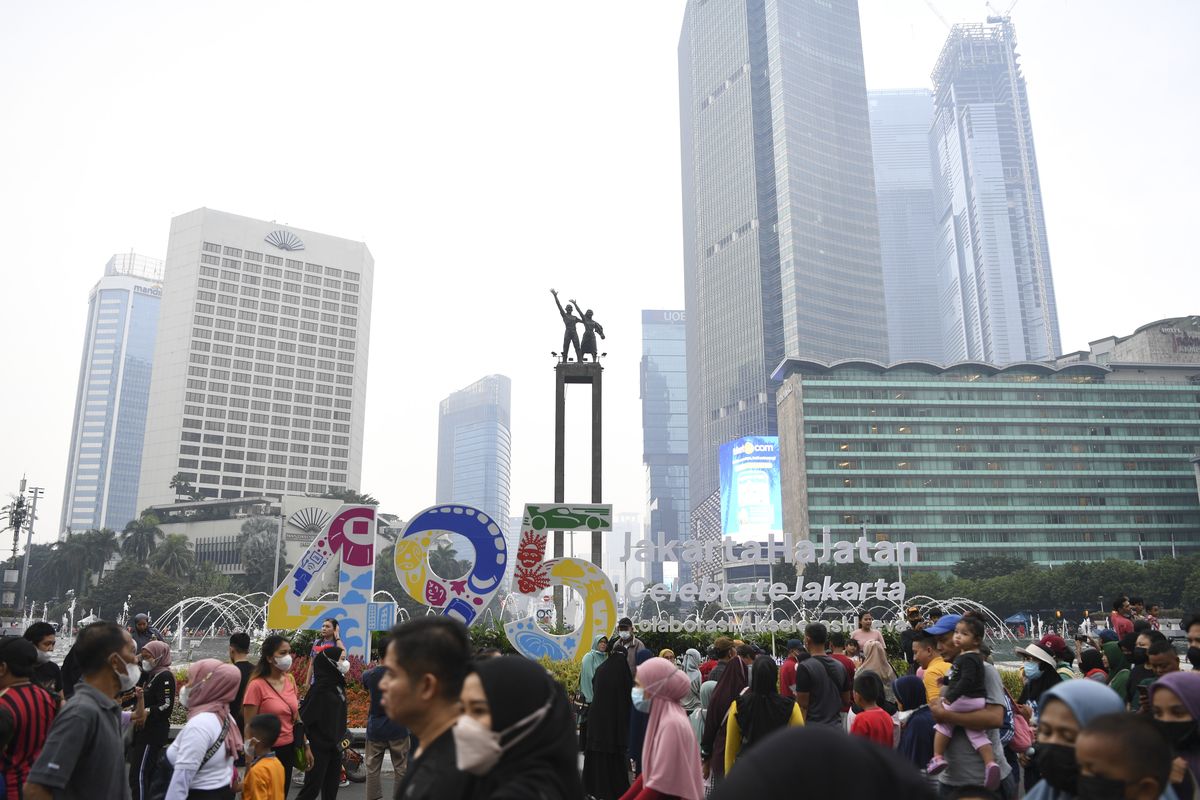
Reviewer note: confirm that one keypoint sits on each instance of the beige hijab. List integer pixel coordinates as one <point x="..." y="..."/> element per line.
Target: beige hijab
<point x="875" y="659"/>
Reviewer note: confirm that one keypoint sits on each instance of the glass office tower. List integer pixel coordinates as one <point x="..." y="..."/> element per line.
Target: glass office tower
<point x="995" y="286"/>
<point x="105" y="459"/>
<point x="781" y="239"/>
<point x="665" y="428"/>
<point x="475" y="447"/>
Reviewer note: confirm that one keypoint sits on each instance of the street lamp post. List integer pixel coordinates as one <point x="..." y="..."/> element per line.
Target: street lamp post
<point x="34" y="493"/>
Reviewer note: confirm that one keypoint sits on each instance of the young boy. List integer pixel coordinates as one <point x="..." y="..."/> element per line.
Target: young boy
<point x="264" y="779"/>
<point x="965" y="691"/>
<point x="872" y="722"/>
<point x="1122" y="755"/>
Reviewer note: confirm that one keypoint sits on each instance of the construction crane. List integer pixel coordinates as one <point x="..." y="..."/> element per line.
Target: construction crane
<point x="998" y="17"/>
<point x="937" y="13"/>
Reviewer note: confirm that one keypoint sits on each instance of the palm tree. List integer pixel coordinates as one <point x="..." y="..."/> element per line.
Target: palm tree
<point x="175" y="557"/>
<point x="141" y="537"/>
<point x="183" y="487"/>
<point x="352" y="496"/>
<point x="68" y="561"/>
<point x="101" y="546"/>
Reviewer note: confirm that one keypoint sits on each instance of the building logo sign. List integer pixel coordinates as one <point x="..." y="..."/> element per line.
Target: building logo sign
<point x="147" y="290"/>
<point x="284" y="240"/>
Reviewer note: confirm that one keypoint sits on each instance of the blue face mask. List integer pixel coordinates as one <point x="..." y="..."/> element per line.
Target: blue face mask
<point x="640" y="701"/>
<point x="1033" y="670"/>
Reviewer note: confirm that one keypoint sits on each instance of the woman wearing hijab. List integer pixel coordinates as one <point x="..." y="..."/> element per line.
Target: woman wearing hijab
<point x="821" y="759"/>
<point x="712" y="743"/>
<point x="639" y="718"/>
<point x="158" y="689"/>
<point x="698" y="716"/>
<point x="323" y="713"/>
<point x="587" y="672"/>
<point x="758" y="711"/>
<point x="875" y="660"/>
<point x="1066" y="709"/>
<point x="605" y="766"/>
<point x="1175" y="703"/>
<point x="515" y="733"/>
<point x="211" y="686"/>
<point x="916" y="720"/>
<point x="671" y="758"/>
<point x="1117" y="666"/>
<point x="1091" y="664"/>
<point x="691" y="668"/>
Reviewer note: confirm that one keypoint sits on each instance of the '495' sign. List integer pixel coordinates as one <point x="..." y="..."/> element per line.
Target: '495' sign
<point x="346" y="541"/>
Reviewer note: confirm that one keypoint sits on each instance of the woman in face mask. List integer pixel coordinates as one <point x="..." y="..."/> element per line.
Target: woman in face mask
<point x="605" y="766"/>
<point x="1066" y="709"/>
<point x="1117" y="666"/>
<point x="515" y="733"/>
<point x="1041" y="675"/>
<point x="272" y="690"/>
<point x="323" y="713"/>
<point x="158" y="688"/>
<point x="671" y="759"/>
<point x="639" y="718"/>
<point x="1175" y="701"/>
<point x="202" y="754"/>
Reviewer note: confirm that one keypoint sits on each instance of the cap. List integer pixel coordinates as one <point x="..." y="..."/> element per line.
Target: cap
<point x="1108" y="635"/>
<point x="944" y="625"/>
<point x="1033" y="651"/>
<point x="1053" y="644"/>
<point x="795" y="644"/>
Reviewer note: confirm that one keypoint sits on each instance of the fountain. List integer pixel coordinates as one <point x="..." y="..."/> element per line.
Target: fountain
<point x="205" y="616"/>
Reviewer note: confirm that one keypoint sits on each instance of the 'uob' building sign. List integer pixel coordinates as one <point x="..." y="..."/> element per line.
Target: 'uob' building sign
<point x="346" y="541"/>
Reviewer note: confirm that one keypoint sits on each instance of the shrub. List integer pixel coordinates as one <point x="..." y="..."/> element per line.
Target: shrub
<point x="565" y="672"/>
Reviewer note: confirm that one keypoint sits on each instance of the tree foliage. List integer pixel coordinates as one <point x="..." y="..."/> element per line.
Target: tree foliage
<point x="352" y="496"/>
<point x="992" y="566"/>
<point x="175" y="557"/>
<point x="140" y="538"/>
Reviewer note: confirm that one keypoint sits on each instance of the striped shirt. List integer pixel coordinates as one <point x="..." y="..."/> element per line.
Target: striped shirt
<point x="32" y="709"/>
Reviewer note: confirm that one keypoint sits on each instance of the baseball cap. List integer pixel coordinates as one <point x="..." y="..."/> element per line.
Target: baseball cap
<point x="1108" y="635"/>
<point x="944" y="625"/>
<point x="795" y="644"/>
<point x="1053" y="644"/>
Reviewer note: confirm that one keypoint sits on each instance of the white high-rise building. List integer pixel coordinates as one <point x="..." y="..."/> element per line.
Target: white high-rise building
<point x="110" y="404"/>
<point x="260" y="371"/>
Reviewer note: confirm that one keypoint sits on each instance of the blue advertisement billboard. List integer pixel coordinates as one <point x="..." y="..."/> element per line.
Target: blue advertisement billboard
<point x="751" y="501"/>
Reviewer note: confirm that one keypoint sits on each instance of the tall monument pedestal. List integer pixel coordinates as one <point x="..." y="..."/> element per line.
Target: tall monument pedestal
<point x="575" y="372"/>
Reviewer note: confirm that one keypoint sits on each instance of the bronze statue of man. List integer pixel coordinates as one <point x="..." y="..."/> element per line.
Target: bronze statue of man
<point x="590" y="328"/>
<point x="570" y="336"/>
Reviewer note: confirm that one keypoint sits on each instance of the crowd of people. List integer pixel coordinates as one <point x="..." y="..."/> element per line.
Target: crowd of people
<point x="1115" y="716"/>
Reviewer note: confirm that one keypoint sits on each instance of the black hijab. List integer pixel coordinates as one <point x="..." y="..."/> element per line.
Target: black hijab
<point x="326" y="676"/>
<point x="761" y="709"/>
<point x="543" y="763"/>
<point x="825" y="756"/>
<point x="608" y="717"/>
<point x="323" y="709"/>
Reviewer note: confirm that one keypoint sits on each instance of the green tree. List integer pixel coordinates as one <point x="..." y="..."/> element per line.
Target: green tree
<point x="443" y="559"/>
<point x="101" y="545"/>
<point x="184" y="488"/>
<point x="256" y="525"/>
<point x="141" y="537"/>
<point x="149" y="590"/>
<point x="206" y="581"/>
<point x="991" y="566"/>
<point x="386" y="581"/>
<point x="258" y="562"/>
<point x="352" y="496"/>
<point x="174" y="556"/>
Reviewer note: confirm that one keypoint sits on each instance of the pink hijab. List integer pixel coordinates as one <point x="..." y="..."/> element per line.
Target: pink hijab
<point x="161" y="653"/>
<point x="670" y="756"/>
<point x="212" y="685"/>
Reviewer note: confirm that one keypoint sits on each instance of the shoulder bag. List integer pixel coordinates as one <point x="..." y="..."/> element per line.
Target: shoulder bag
<point x="165" y="770"/>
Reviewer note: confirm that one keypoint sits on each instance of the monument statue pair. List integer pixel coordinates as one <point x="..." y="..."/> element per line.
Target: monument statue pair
<point x="570" y="337"/>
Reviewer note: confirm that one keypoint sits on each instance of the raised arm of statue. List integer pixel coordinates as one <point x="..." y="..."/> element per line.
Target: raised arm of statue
<point x="562" y="311"/>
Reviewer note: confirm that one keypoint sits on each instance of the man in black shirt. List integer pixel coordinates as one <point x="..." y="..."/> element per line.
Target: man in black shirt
<point x="425" y="665"/>
<point x="916" y="626"/>
<point x="239" y="656"/>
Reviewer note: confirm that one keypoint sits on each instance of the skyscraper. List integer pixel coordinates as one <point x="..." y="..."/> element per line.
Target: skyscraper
<point x="665" y="428"/>
<point x="475" y="447"/>
<point x="900" y="123"/>
<point x="995" y="286"/>
<point x="261" y="364"/>
<point x="781" y="238"/>
<point x="114" y="387"/>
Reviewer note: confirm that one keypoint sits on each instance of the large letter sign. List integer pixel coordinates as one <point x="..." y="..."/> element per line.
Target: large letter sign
<point x="534" y="575"/>
<point x="347" y="542"/>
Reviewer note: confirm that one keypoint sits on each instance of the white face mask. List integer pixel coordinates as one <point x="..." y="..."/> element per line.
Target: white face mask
<point x="129" y="676"/>
<point x="148" y="664"/>
<point x="284" y="662"/>
<point x="624" y="635"/>
<point x="43" y="656"/>
<point x="478" y="749"/>
<point x="343" y="667"/>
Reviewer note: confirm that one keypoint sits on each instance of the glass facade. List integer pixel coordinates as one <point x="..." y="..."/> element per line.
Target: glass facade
<point x="104" y="462"/>
<point x="665" y="428"/>
<point x="900" y="122"/>
<point x="781" y="242"/>
<point x="475" y="447"/>
<point x="995" y="288"/>
<point x="1063" y="464"/>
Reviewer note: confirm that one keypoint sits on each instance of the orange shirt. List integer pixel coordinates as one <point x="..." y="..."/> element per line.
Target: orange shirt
<point x="264" y="780"/>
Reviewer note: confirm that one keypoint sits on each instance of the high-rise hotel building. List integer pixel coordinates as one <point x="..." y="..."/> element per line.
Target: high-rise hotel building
<point x="114" y="387"/>
<point x="260" y="371"/>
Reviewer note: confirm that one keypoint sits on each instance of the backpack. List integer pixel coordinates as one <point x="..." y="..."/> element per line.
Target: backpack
<point x="1015" y="733"/>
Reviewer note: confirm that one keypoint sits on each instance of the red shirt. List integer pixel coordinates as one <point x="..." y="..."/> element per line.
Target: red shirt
<point x="32" y="710"/>
<point x="848" y="663"/>
<point x="874" y="724"/>
<point x="707" y="667"/>
<point x="1121" y="625"/>
<point x="787" y="677"/>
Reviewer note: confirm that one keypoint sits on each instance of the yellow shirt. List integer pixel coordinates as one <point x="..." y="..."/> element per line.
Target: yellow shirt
<point x="733" y="732"/>
<point x="264" y="780"/>
<point x="936" y="670"/>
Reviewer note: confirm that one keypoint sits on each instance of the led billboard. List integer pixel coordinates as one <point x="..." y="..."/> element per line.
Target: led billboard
<point x="751" y="502"/>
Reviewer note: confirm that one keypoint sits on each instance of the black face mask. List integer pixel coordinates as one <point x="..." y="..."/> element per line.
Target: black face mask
<point x="1182" y="735"/>
<point x="1057" y="765"/>
<point x="1193" y="657"/>
<point x="1140" y="655"/>
<point x="1093" y="787"/>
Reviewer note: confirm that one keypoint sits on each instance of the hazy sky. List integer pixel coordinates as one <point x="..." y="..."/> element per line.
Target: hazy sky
<point x="487" y="151"/>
